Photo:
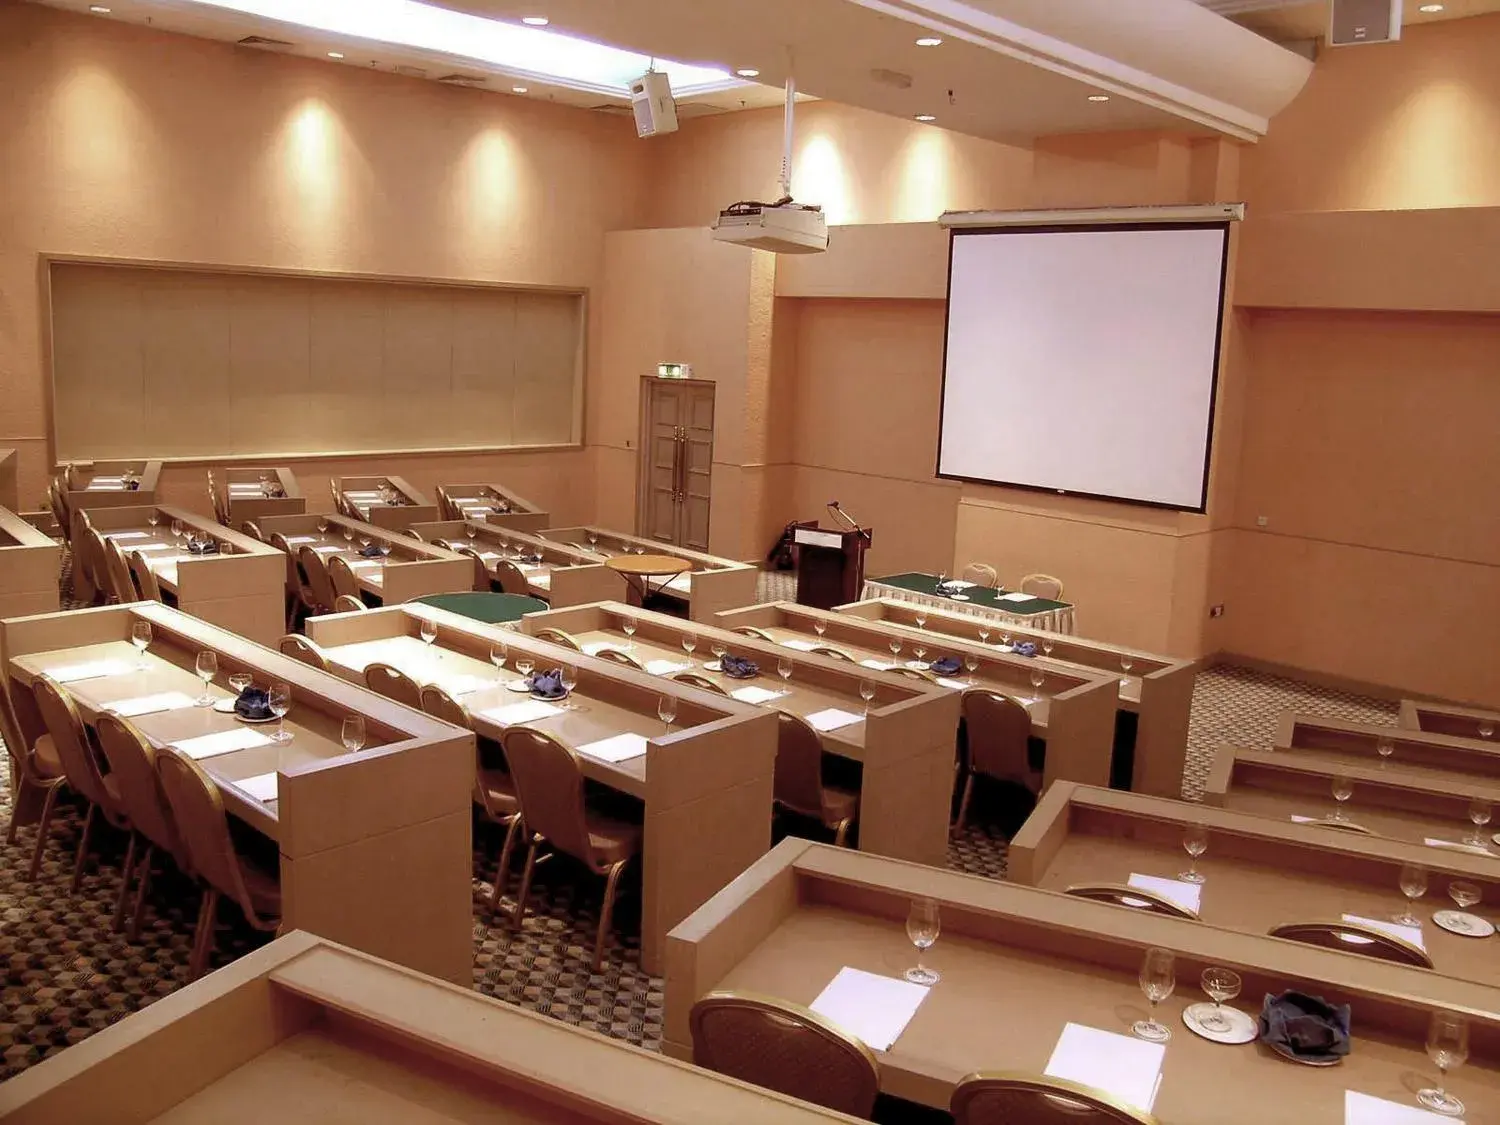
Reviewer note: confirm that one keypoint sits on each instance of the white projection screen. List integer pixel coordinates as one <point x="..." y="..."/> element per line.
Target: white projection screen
<point x="1083" y="360"/>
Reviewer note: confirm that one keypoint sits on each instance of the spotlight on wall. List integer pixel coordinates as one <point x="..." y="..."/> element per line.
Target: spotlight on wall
<point x="518" y="89"/>
<point x="534" y="21"/>
<point x="1098" y="97"/>
<point x="748" y="72"/>
<point x="929" y="41"/>
<point x="335" y="54"/>
<point x="925" y="117"/>
<point x="1430" y="8"/>
<point x="99" y="9"/>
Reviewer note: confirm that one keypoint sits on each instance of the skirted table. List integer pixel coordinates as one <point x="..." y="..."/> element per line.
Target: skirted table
<point x="1001" y="606"/>
<point x="490" y="609"/>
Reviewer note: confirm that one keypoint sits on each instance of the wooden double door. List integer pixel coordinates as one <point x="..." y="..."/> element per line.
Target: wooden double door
<point x="676" y="461"/>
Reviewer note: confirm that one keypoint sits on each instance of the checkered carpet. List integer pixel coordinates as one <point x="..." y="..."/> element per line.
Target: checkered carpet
<point x="64" y="973"/>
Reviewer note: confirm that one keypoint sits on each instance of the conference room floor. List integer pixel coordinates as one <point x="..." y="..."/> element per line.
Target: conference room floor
<point x="64" y="974"/>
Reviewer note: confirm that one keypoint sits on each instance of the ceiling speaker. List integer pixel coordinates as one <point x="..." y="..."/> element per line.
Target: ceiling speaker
<point x="1353" y="22"/>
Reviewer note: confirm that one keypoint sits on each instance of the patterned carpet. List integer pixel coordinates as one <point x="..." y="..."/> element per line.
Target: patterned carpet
<point x="66" y="974"/>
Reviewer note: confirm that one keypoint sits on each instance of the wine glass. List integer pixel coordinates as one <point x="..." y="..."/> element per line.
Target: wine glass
<point x="140" y="636"/>
<point x="1486" y="729"/>
<point x="207" y="667"/>
<point x="784" y="669"/>
<point x="971" y="665"/>
<point x="1005" y="638"/>
<point x="689" y="643"/>
<point x="352" y="734"/>
<point x="1479" y="816"/>
<point x="627" y="626"/>
<point x="718" y="649"/>
<point x="593" y="537"/>
<point x="1046" y="646"/>
<point x="820" y="627"/>
<point x="1413" y="885"/>
<point x="569" y="682"/>
<point x="867" y="693"/>
<point x="1464" y="895"/>
<point x="923" y="924"/>
<point x="280" y="700"/>
<point x="920" y="652"/>
<point x="895" y="647"/>
<point x="239" y="682"/>
<point x="498" y="656"/>
<point x="1157" y="977"/>
<point x="1448" y="1048"/>
<point x="666" y="710"/>
<point x="1220" y="985"/>
<point x="322" y="525"/>
<point x="984" y="634"/>
<point x="428" y="632"/>
<point x="348" y="534"/>
<point x="1385" y="748"/>
<point x="153" y="519"/>
<point x="1038" y="678"/>
<point x="1343" y="789"/>
<point x="177" y="531"/>
<point x="1195" y="843"/>
<point x="471" y="529"/>
<point x="525" y="665"/>
<point x="1126" y="663"/>
<point x="921" y="620"/>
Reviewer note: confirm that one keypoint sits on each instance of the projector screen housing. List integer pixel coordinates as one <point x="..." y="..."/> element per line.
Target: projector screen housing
<point x="1082" y="359"/>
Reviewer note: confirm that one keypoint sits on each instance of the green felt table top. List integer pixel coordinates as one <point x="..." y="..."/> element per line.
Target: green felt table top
<point x="491" y="609"/>
<point x="919" y="583"/>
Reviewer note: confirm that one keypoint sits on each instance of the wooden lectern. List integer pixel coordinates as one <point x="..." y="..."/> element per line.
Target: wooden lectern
<point x="830" y="565"/>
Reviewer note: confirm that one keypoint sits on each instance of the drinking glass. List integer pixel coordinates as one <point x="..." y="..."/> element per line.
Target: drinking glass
<point x="364" y="542"/>
<point x="1343" y="789"/>
<point x="1464" y="895"/>
<point x="177" y="529"/>
<point x="784" y="669"/>
<point x="867" y="693"/>
<point x="428" y="631"/>
<point x="1158" y="977"/>
<point x="984" y="634"/>
<point x="1385" y="748"/>
<point x="1038" y="678"/>
<point x="322" y="526"/>
<point x="666" y="710"/>
<point x="718" y="649"/>
<point x="239" y="682"/>
<point x="140" y="636"/>
<point x="1126" y="663"/>
<point x="1195" y="843"/>
<point x="921" y="620"/>
<point x="920" y="652"/>
<point x="348" y="534"/>
<point x="1046" y="648"/>
<point x="1413" y="886"/>
<point x="353" y="733"/>
<point x="569" y="682"/>
<point x="1448" y="1047"/>
<point x="689" y="643"/>
<point x="525" y="665"/>
<point x="627" y="626"/>
<point x="971" y="665"/>
<point x="593" y="538"/>
<point x="1005" y="638"/>
<point x="895" y="647"/>
<point x="1486" y="729"/>
<point x="280" y="700"/>
<point x="207" y="667"/>
<point x="471" y="530"/>
<point x="820" y="627"/>
<point x="498" y="655"/>
<point x="923" y="924"/>
<point x="1479" y="816"/>
<point x="153" y="519"/>
<point x="1220" y="985"/>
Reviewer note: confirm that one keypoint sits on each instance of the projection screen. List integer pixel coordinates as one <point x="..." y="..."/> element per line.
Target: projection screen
<point x="1083" y="360"/>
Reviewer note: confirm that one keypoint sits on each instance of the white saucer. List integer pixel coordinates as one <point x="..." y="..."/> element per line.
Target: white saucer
<point x="254" y="722"/>
<point x="1496" y="837"/>
<point x="225" y="706"/>
<point x="958" y="597"/>
<point x="713" y="666"/>
<point x="520" y="687"/>
<point x="1242" y="1026"/>
<point x="1463" y="923"/>
<point x="918" y="665"/>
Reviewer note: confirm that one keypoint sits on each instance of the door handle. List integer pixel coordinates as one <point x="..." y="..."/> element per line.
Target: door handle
<point x="681" y="465"/>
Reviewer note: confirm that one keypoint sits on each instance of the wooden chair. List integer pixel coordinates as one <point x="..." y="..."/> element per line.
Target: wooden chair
<point x="92" y="558"/>
<point x="481" y="568"/>
<point x="203" y="827"/>
<point x="1350" y="937"/>
<point x="830" y="651"/>
<point x="300" y="648"/>
<point x="59" y="510"/>
<point x="33" y="765"/>
<point x="784" y="1047"/>
<point x="981" y="574"/>
<point x="511" y="580"/>
<point x="1008" y="1099"/>
<point x="341" y="575"/>
<point x="121" y="584"/>
<point x="145" y="577"/>
<point x="494" y="789"/>
<point x="998" y="729"/>
<point x="703" y="683"/>
<point x="914" y="674"/>
<point x="299" y="596"/>
<point x="391" y="682"/>
<point x="549" y="782"/>
<point x="798" y="783"/>
<point x="558" y="637"/>
<point x="1122" y="894"/>
<point x="752" y="631"/>
<point x="1042" y="586"/>
<point x="447" y="509"/>
<point x="249" y="527"/>
<point x="100" y="792"/>
<point x="220" y="505"/>
<point x="348" y="603"/>
<point x="132" y="762"/>
<point x="619" y="656"/>
<point x="323" y="594"/>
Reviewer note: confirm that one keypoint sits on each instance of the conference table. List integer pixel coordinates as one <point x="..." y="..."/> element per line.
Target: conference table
<point x="407" y="569"/>
<point x="1258" y="873"/>
<point x="30" y="563"/>
<point x="87" y="485"/>
<point x="1004" y="607"/>
<point x="385" y="501"/>
<point x="1021" y="968"/>
<point x="558" y="574"/>
<point x="252" y="493"/>
<point x="1430" y="755"/>
<point x="705" y="782"/>
<point x="903" y="744"/>
<point x="1449" y="719"/>
<point x="1072" y="710"/>
<point x="490" y="503"/>
<point x="374" y="845"/>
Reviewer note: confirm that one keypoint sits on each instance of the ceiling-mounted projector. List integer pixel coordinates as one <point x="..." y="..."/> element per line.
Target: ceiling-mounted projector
<point x="781" y="228"/>
<point x="652" y="102"/>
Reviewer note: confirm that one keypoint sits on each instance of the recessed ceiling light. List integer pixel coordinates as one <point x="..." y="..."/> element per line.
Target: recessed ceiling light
<point x="518" y="89"/>
<point x="929" y="41"/>
<point x="534" y="21"/>
<point x="748" y="72"/>
<point x="101" y="10"/>
<point x="335" y="54"/>
<point x="925" y="117"/>
<point x="1430" y="8"/>
<point x="1098" y="97"/>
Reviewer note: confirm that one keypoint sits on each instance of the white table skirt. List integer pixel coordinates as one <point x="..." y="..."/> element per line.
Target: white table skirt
<point x="1059" y="620"/>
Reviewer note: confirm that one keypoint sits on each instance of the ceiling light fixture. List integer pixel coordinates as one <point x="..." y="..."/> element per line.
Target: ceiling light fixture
<point x="99" y="9"/>
<point x="534" y="21"/>
<point x="335" y="54"/>
<point x="1430" y="8"/>
<point x="518" y="89"/>
<point x="1098" y="97"/>
<point x="925" y="117"/>
<point x="929" y="41"/>
<point x="748" y="72"/>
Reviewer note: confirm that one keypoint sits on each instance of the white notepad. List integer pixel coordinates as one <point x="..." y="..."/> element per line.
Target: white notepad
<point x="329" y="549"/>
<point x="878" y="665"/>
<point x="754" y="694"/>
<point x="1017" y="596"/>
<point x="524" y="712"/>
<point x="108" y="480"/>
<point x="542" y="581"/>
<point x="832" y="718"/>
<point x="1186" y="895"/>
<point x="873" y="1009"/>
<point x="1120" y="1065"/>
<point x="1456" y="845"/>
<point x="294" y="540"/>
<point x="594" y="648"/>
<point x="126" y="535"/>
<point x="666" y="667"/>
<point x="1362" y="1109"/>
<point x="462" y="685"/>
<point x="682" y="584"/>
<point x="224" y="742"/>
<point x="952" y="684"/>
<point x="800" y="646"/>
<point x="262" y="786"/>
<point x="93" y="670"/>
<point x="149" y="704"/>
<point x="1412" y="934"/>
<point x="620" y="748"/>
<point x="149" y="547"/>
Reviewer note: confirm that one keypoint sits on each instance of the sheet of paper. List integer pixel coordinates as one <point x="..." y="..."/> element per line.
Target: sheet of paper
<point x="1411" y="934"/>
<point x="1295" y="819"/>
<point x="149" y="704"/>
<point x="94" y="670"/>
<point x="873" y="1009"/>
<point x="329" y="549"/>
<point x="952" y="684"/>
<point x="753" y="694"/>
<point x="878" y="665"/>
<point x="108" y="480"/>
<point x="362" y="494"/>
<point x="832" y="718"/>
<point x="224" y="742"/>
<point x="262" y="786"/>
<point x="1186" y="895"/>
<point x="1456" y="845"/>
<point x="1363" y="1109"/>
<point x="959" y="584"/>
<point x="246" y="488"/>
<point x="541" y="581"/>
<point x="799" y="645"/>
<point x="462" y="685"/>
<point x="295" y="540"/>
<point x="148" y="547"/>
<point x="666" y="667"/>
<point x="594" y="648"/>
<point x="524" y="712"/>
<point x="126" y="535"/>
<point x="363" y="564"/>
<point x="1014" y="596"/>
<point x="1121" y="1065"/>
<point x="620" y="748"/>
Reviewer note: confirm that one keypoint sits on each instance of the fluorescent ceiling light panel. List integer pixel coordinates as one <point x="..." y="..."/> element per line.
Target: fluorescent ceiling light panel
<point x="522" y="51"/>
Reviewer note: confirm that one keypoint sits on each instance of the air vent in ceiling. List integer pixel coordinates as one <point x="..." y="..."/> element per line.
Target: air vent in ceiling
<point x="410" y="71"/>
<point x="457" y="79"/>
<point x="616" y="108"/>
<point x="262" y="43"/>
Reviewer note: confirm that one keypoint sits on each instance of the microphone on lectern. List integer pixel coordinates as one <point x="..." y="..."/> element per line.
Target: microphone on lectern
<point x="833" y="506"/>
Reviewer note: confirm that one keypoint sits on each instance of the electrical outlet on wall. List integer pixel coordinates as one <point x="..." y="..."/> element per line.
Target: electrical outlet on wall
<point x="1216" y="610"/>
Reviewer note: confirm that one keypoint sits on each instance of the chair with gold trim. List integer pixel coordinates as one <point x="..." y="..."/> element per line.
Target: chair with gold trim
<point x="1042" y="586"/>
<point x="914" y="674"/>
<point x="1350" y="937"/>
<point x="1002" y="1098"/>
<point x="784" y="1047"/>
<point x="341" y="575"/>
<point x="391" y="682"/>
<point x="752" y="631"/>
<point x="249" y="527"/>
<point x="558" y="637"/>
<point x="1122" y="894"/>
<point x="348" y="603"/>
<point x="447" y="509"/>
<point x="121" y="583"/>
<point x="145" y="577"/>
<point x="316" y="572"/>
<point x="619" y="656"/>
<point x="300" y="648"/>
<point x="511" y="580"/>
<point x="834" y="653"/>
<point x="702" y="683"/>
<point x="33" y="765"/>
<point x="997" y="730"/>
<point x="981" y="574"/>
<point x="798" y="781"/>
<point x="219" y="504"/>
<point x="482" y="582"/>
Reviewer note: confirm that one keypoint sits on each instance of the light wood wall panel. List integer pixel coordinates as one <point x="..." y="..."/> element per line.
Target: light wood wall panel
<point x="188" y="363"/>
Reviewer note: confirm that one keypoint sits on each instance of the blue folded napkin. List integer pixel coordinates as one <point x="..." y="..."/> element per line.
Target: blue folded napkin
<point x="253" y="703"/>
<point x="946" y="665"/>
<point x="1305" y="1026"/>
<point x="738" y="667"/>
<point x="1024" y="648"/>
<point x="132" y="485"/>
<point x="548" y="685"/>
<point x="371" y="552"/>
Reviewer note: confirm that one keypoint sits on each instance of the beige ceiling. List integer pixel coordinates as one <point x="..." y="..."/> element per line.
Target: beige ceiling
<point x="1310" y="20"/>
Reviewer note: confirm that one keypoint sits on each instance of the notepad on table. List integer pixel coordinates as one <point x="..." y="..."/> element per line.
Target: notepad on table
<point x="1185" y="895"/>
<point x="224" y="742"/>
<point x="1363" y="1109"/>
<point x="619" y="748"/>
<point x="294" y="540"/>
<point x="262" y="786"/>
<point x="93" y="670"/>
<point x="329" y="549"/>
<point x="754" y="695"/>
<point x="1122" y="1066"/>
<point x="524" y="712"/>
<point x="800" y="646"/>
<point x="878" y="665"/>
<point x="149" y="704"/>
<point x="544" y="581"/>
<point x="1015" y="596"/>
<point x="1409" y="934"/>
<point x="149" y="547"/>
<point x="832" y="718"/>
<point x="126" y="535"/>
<point x="594" y="648"/>
<point x="462" y="685"/>
<point x="666" y="667"/>
<point x="1456" y="845"/>
<point x="874" y="1009"/>
<point x="952" y="684"/>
